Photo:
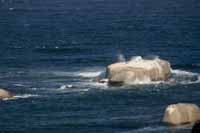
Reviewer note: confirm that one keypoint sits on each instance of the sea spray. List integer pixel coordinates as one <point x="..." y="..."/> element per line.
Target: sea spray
<point x="121" y="58"/>
<point x="89" y="74"/>
<point x="135" y="58"/>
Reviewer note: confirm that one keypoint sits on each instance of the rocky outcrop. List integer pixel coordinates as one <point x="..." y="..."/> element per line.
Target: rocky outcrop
<point x="181" y="113"/>
<point x="5" y="94"/>
<point x="138" y="71"/>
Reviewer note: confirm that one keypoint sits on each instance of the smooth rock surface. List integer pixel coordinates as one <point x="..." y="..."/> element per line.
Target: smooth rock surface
<point x="181" y="113"/>
<point x="138" y="71"/>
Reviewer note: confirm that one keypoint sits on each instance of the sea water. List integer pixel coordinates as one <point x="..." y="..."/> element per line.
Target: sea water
<point x="51" y="51"/>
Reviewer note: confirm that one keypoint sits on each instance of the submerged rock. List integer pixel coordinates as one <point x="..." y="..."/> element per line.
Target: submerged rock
<point x="138" y="71"/>
<point x="181" y="113"/>
<point x="5" y="94"/>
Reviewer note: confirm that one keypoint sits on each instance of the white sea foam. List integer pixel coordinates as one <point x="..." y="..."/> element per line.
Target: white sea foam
<point x="85" y="73"/>
<point x="145" y="129"/>
<point x="19" y="85"/>
<point x="11" y="8"/>
<point x="189" y="82"/>
<point x="184" y="77"/>
<point x="72" y="88"/>
<point x="149" y="129"/>
<point x="99" y="85"/>
<point x="178" y="76"/>
<point x="139" y="62"/>
<point x="89" y="74"/>
<point x="63" y="87"/>
<point x="62" y="73"/>
<point x="24" y="96"/>
<point x="182" y="72"/>
<point x="146" y="80"/>
<point x="136" y="58"/>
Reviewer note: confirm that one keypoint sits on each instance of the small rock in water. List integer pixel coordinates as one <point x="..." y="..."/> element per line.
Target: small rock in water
<point x="181" y="113"/>
<point x="5" y="94"/>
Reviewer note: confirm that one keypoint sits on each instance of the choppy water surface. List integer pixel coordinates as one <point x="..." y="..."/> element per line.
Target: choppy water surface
<point x="52" y="50"/>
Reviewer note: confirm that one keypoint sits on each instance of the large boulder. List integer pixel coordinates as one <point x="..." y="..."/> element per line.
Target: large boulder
<point x="181" y="113"/>
<point x="137" y="71"/>
<point x="5" y="94"/>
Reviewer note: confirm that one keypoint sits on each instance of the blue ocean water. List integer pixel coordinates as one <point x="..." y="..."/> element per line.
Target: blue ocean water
<point x="52" y="49"/>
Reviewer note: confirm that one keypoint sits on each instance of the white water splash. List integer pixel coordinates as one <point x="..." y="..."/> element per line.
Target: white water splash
<point x="24" y="96"/>
<point x="61" y="73"/>
<point x="72" y="88"/>
<point x="121" y="58"/>
<point x="149" y="129"/>
<point x="82" y="73"/>
<point x="135" y="58"/>
<point x="178" y="76"/>
<point x="97" y="84"/>
<point x="19" y="85"/>
<point x="184" y="77"/>
<point x="145" y="81"/>
<point x="139" y="62"/>
<point x="182" y="72"/>
<point x="63" y="87"/>
<point x="89" y="74"/>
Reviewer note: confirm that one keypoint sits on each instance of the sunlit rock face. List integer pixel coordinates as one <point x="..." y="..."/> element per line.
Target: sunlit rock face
<point x="181" y="113"/>
<point x="138" y="71"/>
<point x="5" y="94"/>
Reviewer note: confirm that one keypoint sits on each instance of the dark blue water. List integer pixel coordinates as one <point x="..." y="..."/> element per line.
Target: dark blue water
<point x="50" y="50"/>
